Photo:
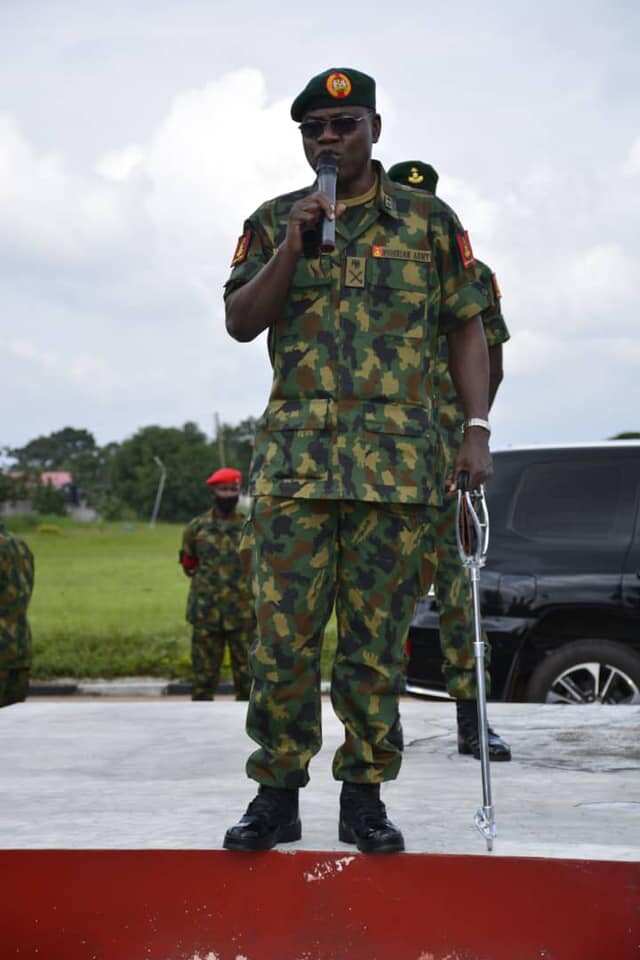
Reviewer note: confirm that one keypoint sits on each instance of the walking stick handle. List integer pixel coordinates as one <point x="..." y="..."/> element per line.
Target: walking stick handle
<point x="464" y="478"/>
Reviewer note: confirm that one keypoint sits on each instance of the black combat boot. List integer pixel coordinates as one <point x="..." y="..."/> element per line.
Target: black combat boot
<point x="271" y="817"/>
<point x="363" y="820"/>
<point x="469" y="737"/>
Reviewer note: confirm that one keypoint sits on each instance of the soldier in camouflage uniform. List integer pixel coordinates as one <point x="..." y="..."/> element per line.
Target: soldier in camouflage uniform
<point x="16" y="587"/>
<point x="347" y="456"/>
<point x="451" y="581"/>
<point x="220" y="604"/>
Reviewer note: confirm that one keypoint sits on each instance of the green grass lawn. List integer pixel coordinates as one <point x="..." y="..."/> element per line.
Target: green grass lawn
<point x="110" y="599"/>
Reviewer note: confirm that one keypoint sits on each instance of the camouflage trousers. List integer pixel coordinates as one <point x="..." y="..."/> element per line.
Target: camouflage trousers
<point x="306" y="555"/>
<point x="442" y="567"/>
<point x="14" y="685"/>
<point x="207" y="652"/>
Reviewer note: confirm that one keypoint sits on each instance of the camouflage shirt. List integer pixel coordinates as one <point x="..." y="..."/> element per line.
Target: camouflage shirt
<point x="351" y="409"/>
<point x="450" y="412"/>
<point x="16" y="586"/>
<point x="220" y="594"/>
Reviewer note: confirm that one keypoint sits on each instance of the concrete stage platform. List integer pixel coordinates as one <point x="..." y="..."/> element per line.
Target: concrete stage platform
<point x="112" y="816"/>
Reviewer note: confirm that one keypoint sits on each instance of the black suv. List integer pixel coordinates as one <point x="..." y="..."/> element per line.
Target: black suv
<point x="560" y="593"/>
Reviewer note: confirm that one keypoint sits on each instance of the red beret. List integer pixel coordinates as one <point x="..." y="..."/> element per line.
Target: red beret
<point x="225" y="475"/>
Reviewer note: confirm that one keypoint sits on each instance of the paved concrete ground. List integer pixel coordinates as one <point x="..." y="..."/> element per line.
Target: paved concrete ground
<point x="167" y="774"/>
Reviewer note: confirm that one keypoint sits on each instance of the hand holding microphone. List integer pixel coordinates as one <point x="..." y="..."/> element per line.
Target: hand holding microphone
<point x="316" y="209"/>
<point x="327" y="170"/>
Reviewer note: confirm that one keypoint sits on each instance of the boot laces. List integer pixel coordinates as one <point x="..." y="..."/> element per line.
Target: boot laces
<point x="370" y="811"/>
<point x="473" y="733"/>
<point x="267" y="804"/>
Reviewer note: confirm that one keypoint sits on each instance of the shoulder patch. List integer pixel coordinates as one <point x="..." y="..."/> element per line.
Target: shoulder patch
<point x="242" y="248"/>
<point x="496" y="289"/>
<point x="464" y="246"/>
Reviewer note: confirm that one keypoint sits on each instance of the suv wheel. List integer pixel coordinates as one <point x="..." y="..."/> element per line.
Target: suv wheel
<point x="587" y="671"/>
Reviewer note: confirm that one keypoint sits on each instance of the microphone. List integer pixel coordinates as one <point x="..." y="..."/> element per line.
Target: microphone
<point x="327" y="170"/>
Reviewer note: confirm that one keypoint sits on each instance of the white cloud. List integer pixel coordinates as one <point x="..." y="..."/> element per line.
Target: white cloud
<point x="529" y="353"/>
<point x="87" y="371"/>
<point x="219" y="153"/>
<point x="145" y="242"/>
<point x="50" y="214"/>
<point x="119" y="165"/>
<point x="478" y="213"/>
<point x="26" y="350"/>
<point x="632" y="164"/>
<point x="601" y="281"/>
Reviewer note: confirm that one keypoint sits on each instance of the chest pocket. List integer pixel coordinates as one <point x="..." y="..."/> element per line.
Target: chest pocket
<point x="300" y="346"/>
<point x="396" y="297"/>
<point x="308" y="296"/>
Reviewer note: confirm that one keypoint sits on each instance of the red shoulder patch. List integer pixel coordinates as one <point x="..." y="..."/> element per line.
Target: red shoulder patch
<point x="464" y="246"/>
<point x="496" y="289"/>
<point x="242" y="249"/>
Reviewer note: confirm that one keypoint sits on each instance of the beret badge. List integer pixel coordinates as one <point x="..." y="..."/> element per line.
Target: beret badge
<point x="338" y="85"/>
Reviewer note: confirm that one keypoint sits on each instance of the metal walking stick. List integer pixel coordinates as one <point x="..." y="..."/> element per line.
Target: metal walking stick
<point x="472" y="534"/>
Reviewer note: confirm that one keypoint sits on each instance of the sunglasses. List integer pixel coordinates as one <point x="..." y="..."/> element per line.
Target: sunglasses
<point x="341" y="126"/>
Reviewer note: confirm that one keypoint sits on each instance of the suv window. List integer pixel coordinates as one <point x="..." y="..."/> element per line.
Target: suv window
<point x="572" y="501"/>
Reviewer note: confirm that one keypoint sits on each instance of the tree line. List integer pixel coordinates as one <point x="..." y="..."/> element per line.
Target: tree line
<point x="120" y="480"/>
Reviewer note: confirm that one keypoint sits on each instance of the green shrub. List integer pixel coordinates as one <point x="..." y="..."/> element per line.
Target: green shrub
<point x="47" y="499"/>
<point x="113" y="509"/>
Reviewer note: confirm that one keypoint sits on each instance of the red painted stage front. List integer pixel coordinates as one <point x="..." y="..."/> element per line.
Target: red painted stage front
<point x="179" y="905"/>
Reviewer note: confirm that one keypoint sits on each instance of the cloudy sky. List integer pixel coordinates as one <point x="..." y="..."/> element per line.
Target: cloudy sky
<point x="136" y="136"/>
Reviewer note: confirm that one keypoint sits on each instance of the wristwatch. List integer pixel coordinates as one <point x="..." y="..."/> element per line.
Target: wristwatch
<point x="478" y="422"/>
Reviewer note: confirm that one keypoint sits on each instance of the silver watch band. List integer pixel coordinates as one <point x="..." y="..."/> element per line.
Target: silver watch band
<point x="478" y="422"/>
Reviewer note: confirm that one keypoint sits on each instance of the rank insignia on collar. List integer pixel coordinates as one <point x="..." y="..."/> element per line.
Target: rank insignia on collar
<point x="415" y="176"/>
<point x="464" y="248"/>
<point x="242" y="249"/>
<point x="338" y="85"/>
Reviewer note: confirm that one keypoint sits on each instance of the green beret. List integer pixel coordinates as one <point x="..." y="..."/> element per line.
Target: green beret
<point x="416" y="174"/>
<point x="333" y="88"/>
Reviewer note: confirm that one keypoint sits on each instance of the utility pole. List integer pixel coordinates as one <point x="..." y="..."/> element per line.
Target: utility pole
<point x="160" y="491"/>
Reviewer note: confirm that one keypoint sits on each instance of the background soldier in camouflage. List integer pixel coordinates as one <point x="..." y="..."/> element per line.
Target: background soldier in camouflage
<point x="16" y="587"/>
<point x="450" y="579"/>
<point x="347" y="454"/>
<point x="220" y="604"/>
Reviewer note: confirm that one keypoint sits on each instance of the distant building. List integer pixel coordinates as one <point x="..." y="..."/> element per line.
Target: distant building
<point x="58" y="479"/>
<point x="75" y="505"/>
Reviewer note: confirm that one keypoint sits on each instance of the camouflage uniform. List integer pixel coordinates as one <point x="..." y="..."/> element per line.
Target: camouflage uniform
<point x="16" y="586"/>
<point x="220" y="604"/>
<point x="451" y="581"/>
<point x="347" y="457"/>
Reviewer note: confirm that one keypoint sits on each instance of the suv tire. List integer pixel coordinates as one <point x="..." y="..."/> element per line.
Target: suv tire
<point x="566" y="663"/>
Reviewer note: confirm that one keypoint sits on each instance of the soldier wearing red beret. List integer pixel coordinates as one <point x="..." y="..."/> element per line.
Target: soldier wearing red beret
<point x="220" y="604"/>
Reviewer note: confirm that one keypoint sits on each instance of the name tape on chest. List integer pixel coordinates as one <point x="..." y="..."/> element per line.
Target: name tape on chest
<point x="400" y="253"/>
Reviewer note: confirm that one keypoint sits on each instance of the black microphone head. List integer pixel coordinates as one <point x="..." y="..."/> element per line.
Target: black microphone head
<point x="326" y="160"/>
